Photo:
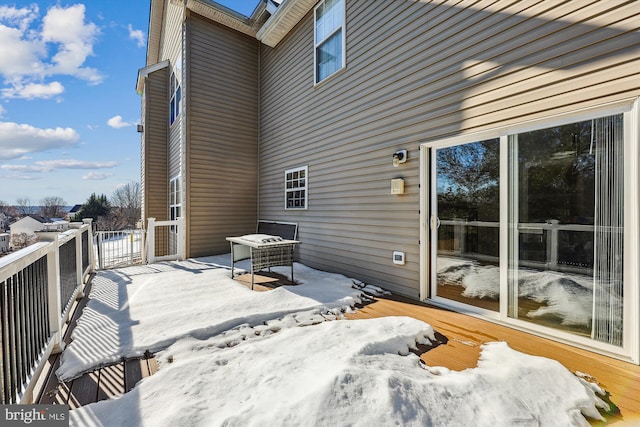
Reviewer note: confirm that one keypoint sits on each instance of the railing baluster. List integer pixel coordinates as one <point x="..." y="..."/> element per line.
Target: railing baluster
<point x="21" y="331"/>
<point x="29" y="321"/>
<point x="4" y="340"/>
<point x="11" y="324"/>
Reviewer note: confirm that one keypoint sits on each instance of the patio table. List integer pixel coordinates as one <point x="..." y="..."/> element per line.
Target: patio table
<point x="265" y="251"/>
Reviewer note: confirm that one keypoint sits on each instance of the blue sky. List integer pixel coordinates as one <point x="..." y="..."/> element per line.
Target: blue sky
<point x="68" y="105"/>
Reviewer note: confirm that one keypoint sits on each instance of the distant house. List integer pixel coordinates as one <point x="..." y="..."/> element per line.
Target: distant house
<point x="71" y="215"/>
<point x="32" y="223"/>
<point x="5" y="238"/>
<point x="4" y="222"/>
<point x="482" y="156"/>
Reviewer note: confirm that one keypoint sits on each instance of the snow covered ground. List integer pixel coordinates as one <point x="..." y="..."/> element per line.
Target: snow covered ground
<point x="230" y="356"/>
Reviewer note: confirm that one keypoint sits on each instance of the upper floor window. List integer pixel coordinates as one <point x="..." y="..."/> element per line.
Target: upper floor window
<point x="175" y="93"/>
<point x="329" y="38"/>
<point x="295" y="188"/>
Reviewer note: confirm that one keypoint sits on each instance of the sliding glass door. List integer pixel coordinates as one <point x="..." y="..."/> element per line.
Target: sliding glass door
<point x="466" y="215"/>
<point x="566" y="227"/>
<point x="530" y="227"/>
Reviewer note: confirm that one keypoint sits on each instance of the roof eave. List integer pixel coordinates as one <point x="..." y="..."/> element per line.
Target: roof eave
<point x="228" y="17"/>
<point x="144" y="72"/>
<point x="287" y="16"/>
<point x="156" y="12"/>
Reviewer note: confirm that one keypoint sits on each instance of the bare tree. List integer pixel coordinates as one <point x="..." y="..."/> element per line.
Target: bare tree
<point x="6" y="209"/>
<point x="23" y="205"/>
<point x="22" y="240"/>
<point x="53" y="207"/>
<point x="127" y="202"/>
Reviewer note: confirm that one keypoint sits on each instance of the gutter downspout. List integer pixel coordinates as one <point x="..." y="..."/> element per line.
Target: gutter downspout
<point x="259" y="133"/>
<point x="186" y="208"/>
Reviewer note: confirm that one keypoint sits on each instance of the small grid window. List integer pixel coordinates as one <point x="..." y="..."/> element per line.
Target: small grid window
<point x="295" y="184"/>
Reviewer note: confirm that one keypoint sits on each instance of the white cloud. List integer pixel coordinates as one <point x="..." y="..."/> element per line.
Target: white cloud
<point x="51" y="165"/>
<point x="21" y="17"/>
<point x="76" y="164"/>
<point x="2" y="111"/>
<point x="137" y="35"/>
<point x="67" y="28"/>
<point x="33" y="90"/>
<point x="26" y="46"/>
<point x="117" y="122"/>
<point x="97" y="175"/>
<point x="17" y="140"/>
<point x="23" y="177"/>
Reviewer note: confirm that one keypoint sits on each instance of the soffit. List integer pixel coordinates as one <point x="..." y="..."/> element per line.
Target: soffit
<point x="156" y="16"/>
<point x="228" y="17"/>
<point x="289" y="13"/>
<point x="269" y="31"/>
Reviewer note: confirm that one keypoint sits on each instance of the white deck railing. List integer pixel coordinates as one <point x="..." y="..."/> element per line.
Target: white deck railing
<point x="165" y="240"/>
<point x="548" y="234"/>
<point x="38" y="285"/>
<point x="116" y="249"/>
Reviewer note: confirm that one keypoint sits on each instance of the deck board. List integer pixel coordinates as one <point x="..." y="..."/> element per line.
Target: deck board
<point x="113" y="380"/>
<point x="104" y="383"/>
<point x="466" y="334"/>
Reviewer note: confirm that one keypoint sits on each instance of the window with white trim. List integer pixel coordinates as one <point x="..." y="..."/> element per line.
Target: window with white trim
<point x="175" y="200"/>
<point x="175" y="92"/>
<point x="329" y="38"/>
<point x="295" y="188"/>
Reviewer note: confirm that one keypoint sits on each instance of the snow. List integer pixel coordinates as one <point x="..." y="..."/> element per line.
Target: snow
<point x="567" y="296"/>
<point x="230" y="356"/>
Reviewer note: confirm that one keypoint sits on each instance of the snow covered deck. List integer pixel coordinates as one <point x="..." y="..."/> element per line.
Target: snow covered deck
<point x="231" y="356"/>
<point x="103" y="383"/>
<point x="465" y="336"/>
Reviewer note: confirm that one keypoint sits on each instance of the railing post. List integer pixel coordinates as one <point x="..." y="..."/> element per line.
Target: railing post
<point x="131" y="247"/>
<point x="552" y="243"/>
<point x="151" y="241"/>
<point x="53" y="286"/>
<point x="99" y="249"/>
<point x="181" y="238"/>
<point x="79" y="266"/>
<point x="92" y="260"/>
<point x="459" y="236"/>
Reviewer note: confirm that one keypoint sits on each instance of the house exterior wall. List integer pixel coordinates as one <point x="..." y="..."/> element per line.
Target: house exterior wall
<point x="4" y="242"/>
<point x="417" y="72"/>
<point x="171" y="49"/>
<point x="222" y="135"/>
<point x="26" y="225"/>
<point x="154" y="179"/>
<point x="171" y="39"/>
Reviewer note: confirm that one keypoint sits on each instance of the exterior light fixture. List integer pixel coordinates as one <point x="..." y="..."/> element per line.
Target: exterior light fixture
<point x="399" y="156"/>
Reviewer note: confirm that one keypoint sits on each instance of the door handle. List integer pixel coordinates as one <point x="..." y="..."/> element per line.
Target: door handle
<point x="435" y="222"/>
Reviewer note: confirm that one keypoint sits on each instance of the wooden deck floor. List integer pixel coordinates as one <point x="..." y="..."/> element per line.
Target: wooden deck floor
<point x="465" y="334"/>
<point x="101" y="384"/>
